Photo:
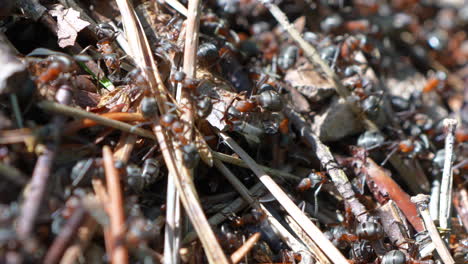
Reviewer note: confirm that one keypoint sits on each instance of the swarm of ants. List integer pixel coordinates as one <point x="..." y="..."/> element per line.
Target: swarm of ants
<point x="85" y="131"/>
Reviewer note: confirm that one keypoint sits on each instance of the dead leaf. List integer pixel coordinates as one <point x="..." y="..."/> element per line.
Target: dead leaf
<point x="68" y="25"/>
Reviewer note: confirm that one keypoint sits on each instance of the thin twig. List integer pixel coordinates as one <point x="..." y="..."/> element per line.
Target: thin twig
<point x="31" y="205"/>
<point x="445" y="206"/>
<point x="241" y="252"/>
<point x="422" y="202"/>
<point x="84" y="236"/>
<point x="42" y="170"/>
<point x="78" y="113"/>
<point x="281" y="231"/>
<point x="116" y="212"/>
<point x="65" y="237"/>
<point x="13" y="175"/>
<point x="234" y="207"/>
<point x="238" y="162"/>
<point x="310" y="228"/>
<point x="119" y="116"/>
<point x="103" y="198"/>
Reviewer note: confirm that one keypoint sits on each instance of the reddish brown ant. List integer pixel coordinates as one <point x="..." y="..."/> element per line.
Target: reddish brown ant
<point x="353" y="44"/>
<point x="58" y="66"/>
<point x="106" y="35"/>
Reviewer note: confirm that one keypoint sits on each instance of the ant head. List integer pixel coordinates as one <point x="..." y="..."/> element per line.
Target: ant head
<point x="105" y="31"/>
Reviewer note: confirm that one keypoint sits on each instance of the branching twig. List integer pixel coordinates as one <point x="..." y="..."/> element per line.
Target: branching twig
<point x="327" y="160"/>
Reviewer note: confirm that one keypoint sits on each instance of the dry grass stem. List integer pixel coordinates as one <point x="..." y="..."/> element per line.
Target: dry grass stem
<point x="141" y="52"/>
<point x="445" y="206"/>
<point x="177" y="6"/>
<point x="238" y="162"/>
<point x="234" y="207"/>
<point x="309" y="243"/>
<point x="422" y="202"/>
<point x="282" y="232"/>
<point x="319" y="238"/>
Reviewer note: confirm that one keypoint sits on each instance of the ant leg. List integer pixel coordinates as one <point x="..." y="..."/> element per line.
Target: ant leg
<point x="389" y="155"/>
<point x="316" y="199"/>
<point x="302" y="206"/>
<point x="83" y="172"/>
<point x="87" y="48"/>
<point x="335" y="57"/>
<point x="132" y="130"/>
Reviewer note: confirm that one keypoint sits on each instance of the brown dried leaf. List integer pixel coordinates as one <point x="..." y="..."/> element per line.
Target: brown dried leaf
<point x="68" y="25"/>
<point x="384" y="187"/>
<point x="121" y="95"/>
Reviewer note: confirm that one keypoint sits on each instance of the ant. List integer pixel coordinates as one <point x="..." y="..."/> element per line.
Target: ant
<point x="312" y="180"/>
<point x="59" y="66"/>
<point x="435" y="82"/>
<point x="203" y="104"/>
<point x="362" y="252"/>
<point x="353" y="44"/>
<point x="255" y="217"/>
<point x="106" y="35"/>
<point x="398" y="257"/>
